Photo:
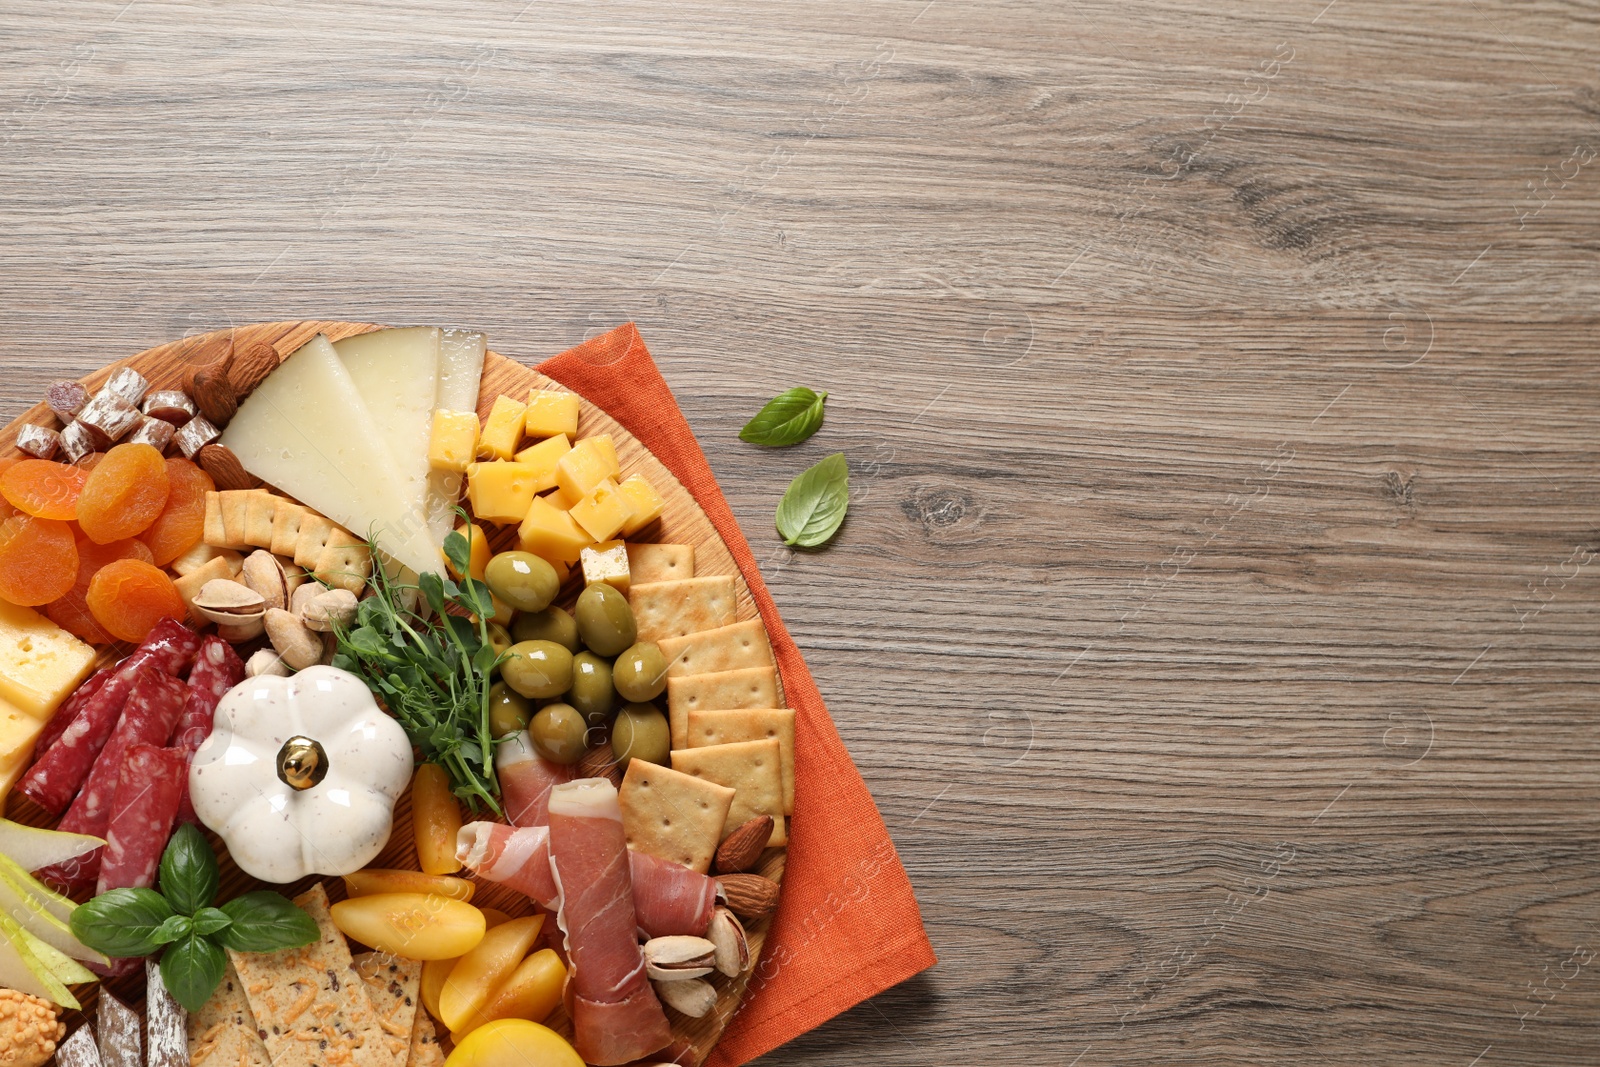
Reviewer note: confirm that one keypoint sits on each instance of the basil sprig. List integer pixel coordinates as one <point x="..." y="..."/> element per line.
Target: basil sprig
<point x="787" y="419"/>
<point x="137" y="922"/>
<point x="813" y="507"/>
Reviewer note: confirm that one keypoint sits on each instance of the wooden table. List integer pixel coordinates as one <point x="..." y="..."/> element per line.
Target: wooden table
<point x="1216" y="621"/>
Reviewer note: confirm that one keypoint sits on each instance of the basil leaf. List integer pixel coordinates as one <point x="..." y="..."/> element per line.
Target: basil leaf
<point x="263" y="921"/>
<point x="192" y="969"/>
<point x="122" y="922"/>
<point x="176" y="928"/>
<point x="457" y="551"/>
<point x="189" y="876"/>
<point x="787" y="419"/>
<point x="814" y="504"/>
<point x="208" y="921"/>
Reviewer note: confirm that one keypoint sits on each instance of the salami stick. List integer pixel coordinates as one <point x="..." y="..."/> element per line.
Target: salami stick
<point x="146" y="806"/>
<point x="117" y="1032"/>
<point x="166" y="1023"/>
<point x="217" y="669"/>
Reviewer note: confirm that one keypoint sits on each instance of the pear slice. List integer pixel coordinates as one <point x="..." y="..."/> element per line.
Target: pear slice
<point x="54" y="903"/>
<point x="68" y="971"/>
<point x="32" y="848"/>
<point x="21" y="970"/>
<point x="20" y="898"/>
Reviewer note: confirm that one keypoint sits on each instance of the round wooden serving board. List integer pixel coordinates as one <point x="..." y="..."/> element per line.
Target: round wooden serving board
<point x="682" y="522"/>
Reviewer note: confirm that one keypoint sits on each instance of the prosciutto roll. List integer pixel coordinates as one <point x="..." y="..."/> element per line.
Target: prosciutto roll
<point x="669" y="898"/>
<point x="616" y="1017"/>
<point x="526" y="779"/>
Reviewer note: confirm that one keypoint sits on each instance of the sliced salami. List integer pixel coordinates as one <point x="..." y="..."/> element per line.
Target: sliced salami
<point x="154" y="702"/>
<point x="145" y="809"/>
<point x="217" y="669"/>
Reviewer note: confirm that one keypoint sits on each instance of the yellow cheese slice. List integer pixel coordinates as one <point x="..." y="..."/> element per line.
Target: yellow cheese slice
<point x="461" y="355"/>
<point x="40" y="663"/>
<point x="18" y="732"/>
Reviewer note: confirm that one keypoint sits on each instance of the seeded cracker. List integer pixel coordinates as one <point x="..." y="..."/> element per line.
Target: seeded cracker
<point x="223" y="1033"/>
<point x="392" y="985"/>
<point x="304" y="997"/>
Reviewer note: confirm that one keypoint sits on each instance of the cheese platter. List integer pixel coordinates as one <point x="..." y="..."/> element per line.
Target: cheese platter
<point x="385" y="704"/>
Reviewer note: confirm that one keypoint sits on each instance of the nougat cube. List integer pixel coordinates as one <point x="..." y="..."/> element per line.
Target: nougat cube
<point x="543" y="458"/>
<point x="549" y="532"/>
<point x="453" y="444"/>
<point x="643" y="501"/>
<point x="502" y="431"/>
<point x="550" y="412"/>
<point x="581" y="469"/>
<point x="606" y="562"/>
<point x="603" y="512"/>
<point x="500" y="491"/>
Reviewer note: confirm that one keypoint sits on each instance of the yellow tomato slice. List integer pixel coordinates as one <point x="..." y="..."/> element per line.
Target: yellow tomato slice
<point x="513" y="1043"/>
<point x="417" y="926"/>
<point x="478" y="973"/>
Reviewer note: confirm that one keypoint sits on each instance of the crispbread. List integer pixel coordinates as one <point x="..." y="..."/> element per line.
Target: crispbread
<point x="728" y="725"/>
<point x="751" y="687"/>
<point x="660" y="563"/>
<point x="260" y="507"/>
<point x="673" y="816"/>
<point x="301" y="997"/>
<point x="681" y="606"/>
<point x="392" y="985"/>
<point x="286" y="519"/>
<point x="345" y="561"/>
<point x="223" y="1033"/>
<point x="727" y="648"/>
<point x="313" y="534"/>
<point x="752" y="769"/>
<point x="425" y="1048"/>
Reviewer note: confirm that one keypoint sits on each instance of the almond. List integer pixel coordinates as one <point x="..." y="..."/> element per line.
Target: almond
<point x="225" y="468"/>
<point x="251" y="367"/>
<point x="214" y="394"/>
<point x="742" y="848"/>
<point x="749" y="896"/>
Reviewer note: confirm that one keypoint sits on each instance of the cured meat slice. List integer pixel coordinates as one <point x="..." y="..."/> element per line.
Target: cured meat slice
<point x="526" y="779"/>
<point x="70" y="709"/>
<point x="145" y="808"/>
<point x="166" y="1022"/>
<point x="669" y="898"/>
<point x="154" y="702"/>
<point x="117" y="1033"/>
<point x="518" y="857"/>
<point x="56" y="775"/>
<point x="217" y="669"/>
<point x="616" y="1017"/>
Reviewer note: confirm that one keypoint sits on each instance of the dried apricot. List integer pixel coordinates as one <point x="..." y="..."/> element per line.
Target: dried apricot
<point x="124" y="494"/>
<point x="42" y="488"/>
<point x="70" y="611"/>
<point x="182" y="523"/>
<point x="38" y="560"/>
<point x="130" y="596"/>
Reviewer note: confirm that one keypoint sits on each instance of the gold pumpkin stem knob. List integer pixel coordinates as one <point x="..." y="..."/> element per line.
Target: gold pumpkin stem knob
<point x="302" y="763"/>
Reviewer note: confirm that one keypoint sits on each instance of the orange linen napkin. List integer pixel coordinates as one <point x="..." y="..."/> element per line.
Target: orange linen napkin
<point x="848" y="926"/>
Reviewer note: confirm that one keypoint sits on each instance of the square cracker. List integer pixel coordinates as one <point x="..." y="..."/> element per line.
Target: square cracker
<point x="727" y="725"/>
<point x="727" y="648"/>
<point x="682" y="606"/>
<point x="392" y="986"/>
<point x="234" y="504"/>
<point x="345" y="561"/>
<point x="752" y="769"/>
<point x="223" y="1033"/>
<point x="660" y="563"/>
<point x="286" y="519"/>
<point x="259" y="510"/>
<point x="313" y="534"/>
<point x="673" y="816"/>
<point x="215" y="534"/>
<point x="750" y="687"/>
<point x="302" y="996"/>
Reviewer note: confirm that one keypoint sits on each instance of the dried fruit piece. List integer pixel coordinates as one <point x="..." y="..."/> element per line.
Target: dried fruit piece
<point x="129" y="597"/>
<point x="125" y="493"/>
<point x="66" y="399"/>
<point x="44" y="489"/>
<point x="38" y="560"/>
<point x="38" y="441"/>
<point x="182" y="522"/>
<point x="71" y="611"/>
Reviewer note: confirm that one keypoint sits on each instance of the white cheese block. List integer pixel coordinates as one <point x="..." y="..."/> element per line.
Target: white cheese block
<point x="460" y="374"/>
<point x="397" y="374"/>
<point x="307" y="431"/>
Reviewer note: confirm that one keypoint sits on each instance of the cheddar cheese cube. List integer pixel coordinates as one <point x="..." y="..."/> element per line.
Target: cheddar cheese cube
<point x="18" y="732"/>
<point x="502" y="432"/>
<point x="603" y="512"/>
<point x="550" y="412"/>
<point x="503" y="612"/>
<point x="607" y="448"/>
<point x="500" y="491"/>
<point x="643" y="501"/>
<point x="606" y="562"/>
<point x="543" y="458"/>
<point x="40" y="663"/>
<point x="580" y="470"/>
<point x="549" y="532"/>
<point x="453" y="444"/>
<point x="477" y="551"/>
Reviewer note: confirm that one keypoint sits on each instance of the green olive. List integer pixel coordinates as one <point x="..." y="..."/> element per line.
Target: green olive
<point x="640" y="673"/>
<point x="522" y="580"/>
<point x="591" y="692"/>
<point x="538" y="669"/>
<point x="499" y="637"/>
<point x="509" y="710"/>
<point x="605" y="621"/>
<point x="551" y="624"/>
<point x="641" y="732"/>
<point x="559" y="733"/>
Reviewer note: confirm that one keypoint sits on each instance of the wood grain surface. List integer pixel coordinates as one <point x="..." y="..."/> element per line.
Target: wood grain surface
<point x="1217" y="619"/>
